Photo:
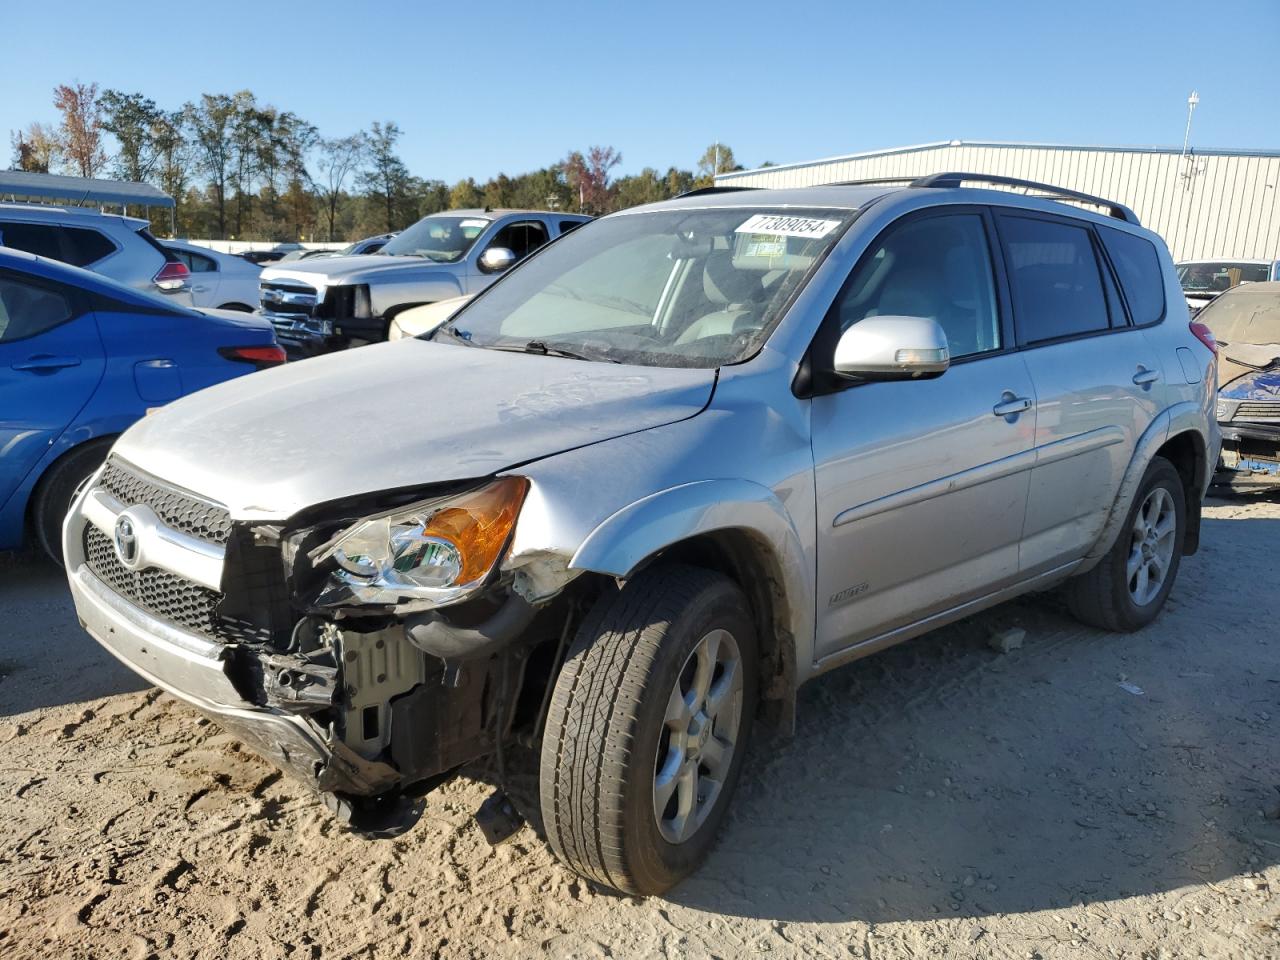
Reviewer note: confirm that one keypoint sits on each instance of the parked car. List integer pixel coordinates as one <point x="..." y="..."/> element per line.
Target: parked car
<point x="220" y="280"/>
<point x="260" y="257"/>
<point x="416" y="321"/>
<point x="360" y="247"/>
<point x="1202" y="280"/>
<point x="333" y="303"/>
<point x="654" y="479"/>
<point x="367" y="245"/>
<point x="81" y="358"/>
<point x="121" y="248"/>
<point x="1246" y="323"/>
<point x="278" y="252"/>
<point x="295" y="255"/>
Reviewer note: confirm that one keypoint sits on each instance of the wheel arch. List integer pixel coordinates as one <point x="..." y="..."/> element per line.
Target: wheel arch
<point x="741" y="530"/>
<point x="1177" y="435"/>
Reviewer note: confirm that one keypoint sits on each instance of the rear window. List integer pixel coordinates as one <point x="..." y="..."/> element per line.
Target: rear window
<point x="169" y="255"/>
<point x="1138" y="266"/>
<point x="1057" y="286"/>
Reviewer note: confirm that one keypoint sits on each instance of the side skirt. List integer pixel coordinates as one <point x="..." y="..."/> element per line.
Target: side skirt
<point x="958" y="612"/>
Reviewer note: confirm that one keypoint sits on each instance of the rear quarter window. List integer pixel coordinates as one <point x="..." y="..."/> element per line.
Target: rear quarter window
<point x="1137" y="266"/>
<point x="86" y="246"/>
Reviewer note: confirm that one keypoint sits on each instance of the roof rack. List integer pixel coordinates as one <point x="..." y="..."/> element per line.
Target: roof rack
<point x="1047" y="190"/>
<point x="701" y="190"/>
<point x="1114" y="209"/>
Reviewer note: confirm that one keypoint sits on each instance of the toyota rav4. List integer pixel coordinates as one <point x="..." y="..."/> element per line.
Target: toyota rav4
<point x="651" y="481"/>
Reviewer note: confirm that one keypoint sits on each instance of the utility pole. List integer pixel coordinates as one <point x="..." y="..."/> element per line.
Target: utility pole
<point x="1186" y="139"/>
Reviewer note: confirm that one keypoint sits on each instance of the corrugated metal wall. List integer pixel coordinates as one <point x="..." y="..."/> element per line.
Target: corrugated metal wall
<point x="1229" y="207"/>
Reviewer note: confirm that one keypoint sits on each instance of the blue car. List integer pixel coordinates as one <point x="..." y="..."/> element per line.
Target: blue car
<point x="81" y="358"/>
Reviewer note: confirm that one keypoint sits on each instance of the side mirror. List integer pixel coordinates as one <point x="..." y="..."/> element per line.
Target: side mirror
<point x="893" y="348"/>
<point x="496" y="259"/>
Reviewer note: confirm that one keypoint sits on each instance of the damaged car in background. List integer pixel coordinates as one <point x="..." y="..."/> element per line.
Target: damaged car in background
<point x="648" y="483"/>
<point x="1246" y="323"/>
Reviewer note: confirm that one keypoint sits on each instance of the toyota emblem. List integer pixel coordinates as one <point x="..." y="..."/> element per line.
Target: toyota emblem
<point x="126" y="541"/>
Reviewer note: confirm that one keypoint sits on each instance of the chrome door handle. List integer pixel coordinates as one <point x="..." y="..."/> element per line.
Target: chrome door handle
<point x="1145" y="377"/>
<point x="1011" y="405"/>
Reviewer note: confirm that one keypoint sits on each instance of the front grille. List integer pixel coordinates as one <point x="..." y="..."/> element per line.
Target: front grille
<point x="296" y="301"/>
<point x="181" y="511"/>
<point x="166" y="595"/>
<point x="1258" y="410"/>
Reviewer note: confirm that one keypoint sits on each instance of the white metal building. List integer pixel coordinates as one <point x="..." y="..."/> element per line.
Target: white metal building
<point x="1210" y="203"/>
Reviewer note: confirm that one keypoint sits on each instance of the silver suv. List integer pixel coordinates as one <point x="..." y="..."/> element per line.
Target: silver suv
<point x="323" y="304"/>
<point x="648" y="484"/>
<point x="121" y="248"/>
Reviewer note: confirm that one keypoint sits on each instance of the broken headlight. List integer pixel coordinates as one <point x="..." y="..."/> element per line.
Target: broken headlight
<point x="440" y="551"/>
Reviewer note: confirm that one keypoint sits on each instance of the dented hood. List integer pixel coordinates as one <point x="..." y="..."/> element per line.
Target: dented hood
<point x="396" y="415"/>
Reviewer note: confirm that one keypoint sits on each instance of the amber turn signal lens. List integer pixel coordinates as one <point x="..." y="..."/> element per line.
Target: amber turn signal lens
<point x="480" y="524"/>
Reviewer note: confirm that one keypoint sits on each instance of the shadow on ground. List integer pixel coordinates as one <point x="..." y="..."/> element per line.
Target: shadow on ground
<point x="944" y="778"/>
<point x="46" y="658"/>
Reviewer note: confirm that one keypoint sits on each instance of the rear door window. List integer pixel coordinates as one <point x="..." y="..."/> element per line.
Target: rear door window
<point x="521" y="238"/>
<point x="27" y="310"/>
<point x="38" y="238"/>
<point x="1055" y="277"/>
<point x="1137" y="265"/>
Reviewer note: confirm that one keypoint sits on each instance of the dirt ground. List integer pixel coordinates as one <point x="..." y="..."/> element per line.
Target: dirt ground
<point x="1084" y="795"/>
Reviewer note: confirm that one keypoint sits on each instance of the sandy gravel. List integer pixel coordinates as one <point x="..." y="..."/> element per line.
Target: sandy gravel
<point x="939" y="800"/>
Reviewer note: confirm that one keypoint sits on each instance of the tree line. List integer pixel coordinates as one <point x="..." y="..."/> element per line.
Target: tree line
<point x="242" y="169"/>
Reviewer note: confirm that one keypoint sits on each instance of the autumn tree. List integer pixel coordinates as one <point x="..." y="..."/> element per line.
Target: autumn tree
<point x="80" y="130"/>
<point x="716" y="159"/>
<point x="464" y="195"/>
<point x="588" y="176"/>
<point x="35" y="149"/>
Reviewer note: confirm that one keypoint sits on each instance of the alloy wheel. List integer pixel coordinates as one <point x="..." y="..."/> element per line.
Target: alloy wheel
<point x="1151" y="551"/>
<point x="700" y="733"/>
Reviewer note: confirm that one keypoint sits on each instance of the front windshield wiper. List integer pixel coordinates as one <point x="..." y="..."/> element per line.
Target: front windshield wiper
<point x="542" y="348"/>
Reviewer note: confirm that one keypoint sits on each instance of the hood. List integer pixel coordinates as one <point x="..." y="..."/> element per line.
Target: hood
<point x="396" y="415"/>
<point x="330" y="271"/>
<point x="1239" y="382"/>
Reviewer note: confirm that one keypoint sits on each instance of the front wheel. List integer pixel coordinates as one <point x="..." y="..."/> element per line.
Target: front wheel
<point x="648" y="727"/>
<point x="1129" y="586"/>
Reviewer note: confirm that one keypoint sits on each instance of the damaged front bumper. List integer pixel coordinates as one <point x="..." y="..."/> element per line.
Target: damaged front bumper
<point x="198" y="671"/>
<point x="1250" y="452"/>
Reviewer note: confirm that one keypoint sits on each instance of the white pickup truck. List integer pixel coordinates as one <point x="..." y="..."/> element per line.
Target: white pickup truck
<point x="331" y="303"/>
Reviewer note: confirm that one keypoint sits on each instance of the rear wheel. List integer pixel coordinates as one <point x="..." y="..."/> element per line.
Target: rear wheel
<point x="58" y="488"/>
<point x="1128" y="588"/>
<point x="648" y="727"/>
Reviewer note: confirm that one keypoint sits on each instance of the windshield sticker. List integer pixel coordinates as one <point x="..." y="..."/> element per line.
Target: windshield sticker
<point x="780" y="225"/>
<point x="765" y="245"/>
<point x="473" y="223"/>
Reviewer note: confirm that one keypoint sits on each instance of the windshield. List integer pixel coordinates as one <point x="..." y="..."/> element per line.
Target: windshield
<point x="671" y="288"/>
<point x="1244" y="317"/>
<point x="1219" y="276"/>
<point x="440" y="238"/>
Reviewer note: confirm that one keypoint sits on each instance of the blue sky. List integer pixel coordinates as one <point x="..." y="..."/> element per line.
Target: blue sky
<point x="480" y="88"/>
